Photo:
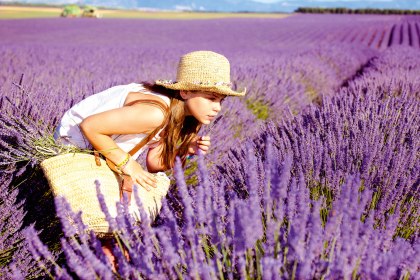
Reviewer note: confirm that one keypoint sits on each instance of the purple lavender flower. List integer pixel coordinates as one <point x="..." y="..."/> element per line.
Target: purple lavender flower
<point x="341" y="111"/>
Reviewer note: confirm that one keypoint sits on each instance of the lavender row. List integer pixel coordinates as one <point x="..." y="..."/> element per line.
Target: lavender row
<point x="43" y="81"/>
<point x="376" y="32"/>
<point x="12" y="240"/>
<point x="368" y="128"/>
<point x="276" y="232"/>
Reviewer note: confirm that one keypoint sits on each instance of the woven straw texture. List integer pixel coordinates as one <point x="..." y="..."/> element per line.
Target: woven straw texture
<point x="73" y="176"/>
<point x="151" y="200"/>
<point x="202" y="70"/>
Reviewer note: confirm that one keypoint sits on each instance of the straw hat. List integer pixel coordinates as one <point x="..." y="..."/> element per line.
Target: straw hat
<point x="202" y="70"/>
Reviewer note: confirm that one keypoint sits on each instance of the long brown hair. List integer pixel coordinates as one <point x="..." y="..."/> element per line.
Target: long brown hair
<point x="179" y="131"/>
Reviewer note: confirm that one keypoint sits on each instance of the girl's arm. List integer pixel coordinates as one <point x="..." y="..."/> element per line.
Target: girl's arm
<point x="153" y="161"/>
<point x="135" y="119"/>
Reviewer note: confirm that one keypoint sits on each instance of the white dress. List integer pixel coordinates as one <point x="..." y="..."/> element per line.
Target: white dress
<point x="69" y="133"/>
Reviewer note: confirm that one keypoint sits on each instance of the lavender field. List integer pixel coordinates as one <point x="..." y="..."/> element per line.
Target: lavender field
<point x="314" y="174"/>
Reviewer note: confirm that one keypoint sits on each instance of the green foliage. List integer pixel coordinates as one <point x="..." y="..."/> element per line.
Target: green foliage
<point x="71" y="10"/>
<point x="7" y="255"/>
<point x="191" y="173"/>
<point x="238" y="132"/>
<point x="408" y="227"/>
<point x="89" y="8"/>
<point x="340" y="10"/>
<point x="317" y="190"/>
<point x="258" y="108"/>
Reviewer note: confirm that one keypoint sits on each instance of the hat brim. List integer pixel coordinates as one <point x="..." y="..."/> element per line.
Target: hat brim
<point x="224" y="90"/>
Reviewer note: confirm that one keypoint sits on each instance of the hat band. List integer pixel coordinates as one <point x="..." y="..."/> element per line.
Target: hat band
<point x="205" y="83"/>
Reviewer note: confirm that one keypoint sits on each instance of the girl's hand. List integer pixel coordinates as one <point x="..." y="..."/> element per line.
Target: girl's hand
<point x="139" y="175"/>
<point x="203" y="143"/>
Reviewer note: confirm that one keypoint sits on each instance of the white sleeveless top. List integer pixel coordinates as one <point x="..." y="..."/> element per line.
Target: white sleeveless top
<point x="69" y="133"/>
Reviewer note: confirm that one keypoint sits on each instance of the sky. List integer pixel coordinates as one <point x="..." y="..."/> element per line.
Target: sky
<point x="238" y="5"/>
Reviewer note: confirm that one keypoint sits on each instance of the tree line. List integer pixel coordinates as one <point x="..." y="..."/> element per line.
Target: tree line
<point x="311" y="10"/>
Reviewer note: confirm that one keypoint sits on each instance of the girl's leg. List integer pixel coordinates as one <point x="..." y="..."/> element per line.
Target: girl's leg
<point x="107" y="245"/>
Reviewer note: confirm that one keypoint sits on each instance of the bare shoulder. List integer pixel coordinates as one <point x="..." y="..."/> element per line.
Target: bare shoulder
<point x="135" y="96"/>
<point x="154" y="114"/>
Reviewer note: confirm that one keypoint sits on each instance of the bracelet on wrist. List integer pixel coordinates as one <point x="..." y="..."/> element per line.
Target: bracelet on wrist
<point x="123" y="162"/>
<point x="121" y="168"/>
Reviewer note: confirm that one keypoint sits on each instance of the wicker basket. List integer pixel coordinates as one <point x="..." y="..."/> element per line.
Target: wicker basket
<point x="73" y="176"/>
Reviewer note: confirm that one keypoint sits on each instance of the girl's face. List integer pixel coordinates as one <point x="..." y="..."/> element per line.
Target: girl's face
<point x="203" y="105"/>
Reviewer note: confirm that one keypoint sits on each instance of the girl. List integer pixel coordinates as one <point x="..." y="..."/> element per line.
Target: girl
<point x="115" y="120"/>
<point x="167" y="114"/>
